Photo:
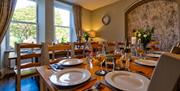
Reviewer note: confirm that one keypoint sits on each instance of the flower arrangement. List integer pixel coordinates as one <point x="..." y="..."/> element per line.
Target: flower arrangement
<point x="145" y="35"/>
<point x="86" y="36"/>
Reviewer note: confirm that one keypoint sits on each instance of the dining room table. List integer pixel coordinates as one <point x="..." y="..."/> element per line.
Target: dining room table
<point x="46" y="71"/>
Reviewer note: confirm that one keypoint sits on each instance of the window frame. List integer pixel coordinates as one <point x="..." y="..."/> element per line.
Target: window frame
<point x="64" y="6"/>
<point x="23" y="22"/>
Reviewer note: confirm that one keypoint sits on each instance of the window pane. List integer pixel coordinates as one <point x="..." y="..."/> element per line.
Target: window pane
<point x="62" y="34"/>
<point x="25" y="11"/>
<point x="62" y="17"/>
<point x="20" y="32"/>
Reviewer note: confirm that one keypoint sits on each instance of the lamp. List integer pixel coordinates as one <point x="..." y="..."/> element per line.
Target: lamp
<point x="92" y="34"/>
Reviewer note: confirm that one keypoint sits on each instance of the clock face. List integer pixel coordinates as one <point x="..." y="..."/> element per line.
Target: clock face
<point x="106" y="20"/>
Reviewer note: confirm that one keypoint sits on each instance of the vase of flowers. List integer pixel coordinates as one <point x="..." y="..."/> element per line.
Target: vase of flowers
<point x="86" y="36"/>
<point x="145" y="36"/>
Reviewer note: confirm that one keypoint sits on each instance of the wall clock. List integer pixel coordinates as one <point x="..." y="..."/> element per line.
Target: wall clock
<point x="106" y="19"/>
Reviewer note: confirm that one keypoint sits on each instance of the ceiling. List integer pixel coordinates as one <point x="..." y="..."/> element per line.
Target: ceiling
<point x="92" y="4"/>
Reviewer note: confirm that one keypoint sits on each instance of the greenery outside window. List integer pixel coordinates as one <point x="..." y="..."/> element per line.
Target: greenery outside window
<point x="23" y="27"/>
<point x="63" y="22"/>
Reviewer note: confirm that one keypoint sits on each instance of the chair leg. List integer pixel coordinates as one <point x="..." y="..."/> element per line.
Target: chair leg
<point x="18" y="83"/>
<point x="41" y="84"/>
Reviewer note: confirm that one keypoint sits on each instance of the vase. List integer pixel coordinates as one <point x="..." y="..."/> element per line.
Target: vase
<point x="86" y="38"/>
<point x="144" y="46"/>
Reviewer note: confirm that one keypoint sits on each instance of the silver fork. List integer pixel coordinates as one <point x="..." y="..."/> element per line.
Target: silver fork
<point x="95" y="87"/>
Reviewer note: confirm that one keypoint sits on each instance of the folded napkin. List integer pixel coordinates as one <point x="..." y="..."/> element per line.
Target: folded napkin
<point x="57" y="66"/>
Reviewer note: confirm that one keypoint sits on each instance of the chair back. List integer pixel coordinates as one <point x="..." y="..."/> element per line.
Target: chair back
<point x="175" y="50"/>
<point x="110" y="46"/>
<point x="166" y="73"/>
<point x="120" y="45"/>
<point x="27" y="51"/>
<point x="178" y="44"/>
<point x="96" y="46"/>
<point x="59" y="48"/>
<point x="79" y="49"/>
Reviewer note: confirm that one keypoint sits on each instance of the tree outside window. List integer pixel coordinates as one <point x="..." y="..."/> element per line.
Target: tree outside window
<point x="62" y="25"/>
<point x="23" y="27"/>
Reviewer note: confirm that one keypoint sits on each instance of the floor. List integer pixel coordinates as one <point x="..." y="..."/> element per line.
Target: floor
<point x="28" y="84"/>
<point x="8" y="83"/>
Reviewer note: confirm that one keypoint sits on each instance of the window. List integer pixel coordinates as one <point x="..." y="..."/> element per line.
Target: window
<point x="62" y="22"/>
<point x="23" y="27"/>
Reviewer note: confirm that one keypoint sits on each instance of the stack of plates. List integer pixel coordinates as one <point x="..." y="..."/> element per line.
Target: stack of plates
<point x="70" y="77"/>
<point x="146" y="62"/>
<point x="127" y="81"/>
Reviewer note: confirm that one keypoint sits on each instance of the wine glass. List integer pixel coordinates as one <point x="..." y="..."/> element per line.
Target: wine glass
<point x="101" y="58"/>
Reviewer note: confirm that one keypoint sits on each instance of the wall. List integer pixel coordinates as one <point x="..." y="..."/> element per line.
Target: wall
<point x="163" y="15"/>
<point x="179" y="15"/>
<point x="115" y="31"/>
<point x="86" y="20"/>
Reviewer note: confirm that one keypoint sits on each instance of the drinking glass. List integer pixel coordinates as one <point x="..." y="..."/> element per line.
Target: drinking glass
<point x="110" y="63"/>
<point x="124" y="62"/>
<point x="101" y="58"/>
<point x="119" y="64"/>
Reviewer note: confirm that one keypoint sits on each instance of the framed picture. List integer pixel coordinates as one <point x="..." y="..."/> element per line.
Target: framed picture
<point x="106" y="19"/>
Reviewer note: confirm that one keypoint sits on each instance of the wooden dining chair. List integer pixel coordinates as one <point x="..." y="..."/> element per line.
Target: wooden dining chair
<point x="166" y="75"/>
<point x="120" y="44"/>
<point x="175" y="50"/>
<point x="95" y="46"/>
<point x="178" y="44"/>
<point x="79" y="49"/>
<point x="110" y="47"/>
<point x="60" y="51"/>
<point x="24" y="70"/>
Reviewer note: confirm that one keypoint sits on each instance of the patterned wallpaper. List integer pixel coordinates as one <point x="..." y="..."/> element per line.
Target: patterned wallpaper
<point x="163" y="15"/>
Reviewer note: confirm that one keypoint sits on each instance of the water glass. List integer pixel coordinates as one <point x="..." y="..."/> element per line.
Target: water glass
<point x="110" y="63"/>
<point x="124" y="62"/>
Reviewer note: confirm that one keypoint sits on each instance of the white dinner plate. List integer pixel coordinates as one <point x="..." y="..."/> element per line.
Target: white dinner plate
<point x="127" y="81"/>
<point x="158" y="52"/>
<point x="146" y="62"/>
<point x="153" y="55"/>
<point x="70" y="62"/>
<point x="70" y="77"/>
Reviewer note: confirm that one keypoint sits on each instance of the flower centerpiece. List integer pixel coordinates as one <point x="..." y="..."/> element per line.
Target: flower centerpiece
<point x="145" y="36"/>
